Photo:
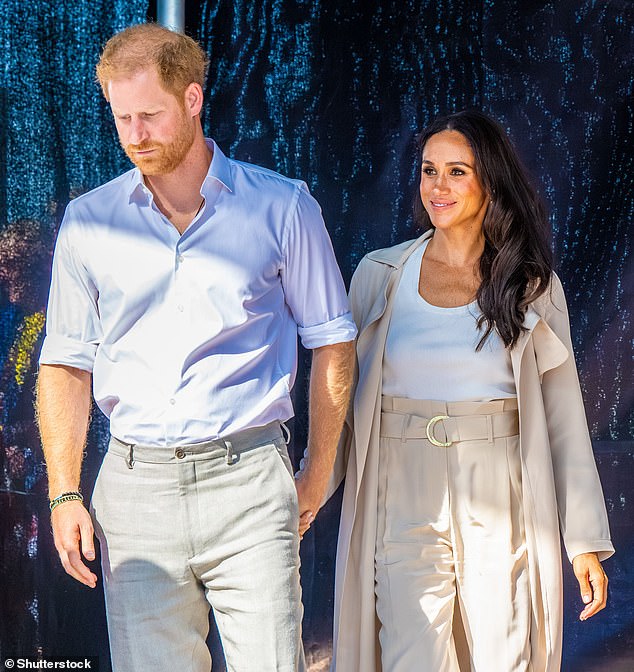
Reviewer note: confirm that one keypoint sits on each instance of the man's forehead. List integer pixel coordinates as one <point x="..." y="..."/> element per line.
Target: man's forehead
<point x="143" y="85"/>
<point x="138" y="77"/>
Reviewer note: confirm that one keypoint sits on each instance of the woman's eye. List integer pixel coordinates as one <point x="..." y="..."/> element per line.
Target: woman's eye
<point x="457" y="171"/>
<point x="428" y="171"/>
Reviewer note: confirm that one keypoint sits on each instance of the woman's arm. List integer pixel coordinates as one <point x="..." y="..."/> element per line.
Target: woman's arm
<point x="582" y="513"/>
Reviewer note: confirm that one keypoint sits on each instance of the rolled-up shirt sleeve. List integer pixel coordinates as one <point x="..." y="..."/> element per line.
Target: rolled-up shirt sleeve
<point x="73" y="329"/>
<point x="313" y="286"/>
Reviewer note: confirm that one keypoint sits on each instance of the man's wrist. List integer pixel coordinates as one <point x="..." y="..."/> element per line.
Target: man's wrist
<point x="69" y="496"/>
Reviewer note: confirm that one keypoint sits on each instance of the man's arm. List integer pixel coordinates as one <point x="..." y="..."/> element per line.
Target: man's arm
<point x="330" y="384"/>
<point x="63" y="411"/>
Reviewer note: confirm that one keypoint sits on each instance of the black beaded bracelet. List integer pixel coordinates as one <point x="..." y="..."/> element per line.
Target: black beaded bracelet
<point x="75" y="495"/>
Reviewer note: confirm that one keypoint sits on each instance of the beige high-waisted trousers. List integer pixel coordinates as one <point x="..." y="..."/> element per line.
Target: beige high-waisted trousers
<point x="451" y="535"/>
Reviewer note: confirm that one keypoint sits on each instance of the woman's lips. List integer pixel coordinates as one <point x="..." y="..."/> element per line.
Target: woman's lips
<point x="442" y="204"/>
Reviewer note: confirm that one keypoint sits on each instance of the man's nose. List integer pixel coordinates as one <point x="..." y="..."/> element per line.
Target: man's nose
<point x="137" y="132"/>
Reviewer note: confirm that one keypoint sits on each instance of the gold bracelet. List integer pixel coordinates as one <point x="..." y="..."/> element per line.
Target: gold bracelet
<point x="75" y="495"/>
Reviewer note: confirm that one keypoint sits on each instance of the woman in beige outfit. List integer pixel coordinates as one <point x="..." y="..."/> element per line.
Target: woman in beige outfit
<point x="449" y="545"/>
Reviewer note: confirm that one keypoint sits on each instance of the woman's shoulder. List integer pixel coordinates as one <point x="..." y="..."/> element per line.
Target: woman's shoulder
<point x="553" y="298"/>
<point x="373" y="272"/>
<point x="391" y="255"/>
<point x="386" y="258"/>
<point x="377" y="265"/>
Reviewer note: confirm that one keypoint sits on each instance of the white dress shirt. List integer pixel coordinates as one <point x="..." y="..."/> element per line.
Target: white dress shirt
<point x="194" y="337"/>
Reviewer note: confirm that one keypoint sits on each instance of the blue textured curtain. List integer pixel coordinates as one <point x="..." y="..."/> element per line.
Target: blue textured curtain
<point x="57" y="140"/>
<point x="333" y="93"/>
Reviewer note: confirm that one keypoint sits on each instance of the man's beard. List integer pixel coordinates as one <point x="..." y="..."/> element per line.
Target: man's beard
<point x="166" y="157"/>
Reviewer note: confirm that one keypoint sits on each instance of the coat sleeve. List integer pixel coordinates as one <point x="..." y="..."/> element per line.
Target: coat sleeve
<point x="582" y="514"/>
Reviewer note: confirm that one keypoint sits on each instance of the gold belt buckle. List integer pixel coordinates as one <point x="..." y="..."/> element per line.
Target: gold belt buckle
<point x="429" y="430"/>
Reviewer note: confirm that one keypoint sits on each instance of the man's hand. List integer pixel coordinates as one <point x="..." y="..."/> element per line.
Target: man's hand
<point x="73" y="532"/>
<point x="330" y="382"/>
<point x="593" y="583"/>
<point x="310" y="494"/>
<point x="63" y="409"/>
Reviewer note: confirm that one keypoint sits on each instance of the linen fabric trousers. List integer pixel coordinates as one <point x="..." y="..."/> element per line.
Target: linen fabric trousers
<point x="451" y="535"/>
<point x="183" y="528"/>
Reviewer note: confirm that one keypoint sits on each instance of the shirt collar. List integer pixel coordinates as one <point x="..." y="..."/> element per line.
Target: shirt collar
<point x="139" y="193"/>
<point x="219" y="171"/>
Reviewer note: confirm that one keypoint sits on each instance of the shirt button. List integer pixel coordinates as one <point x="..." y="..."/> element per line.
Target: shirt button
<point x="180" y="453"/>
<point x="180" y="258"/>
<point x="172" y="401"/>
<point x="180" y="307"/>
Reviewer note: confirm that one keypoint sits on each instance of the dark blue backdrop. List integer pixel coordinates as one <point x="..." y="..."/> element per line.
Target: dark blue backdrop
<point x="333" y="93"/>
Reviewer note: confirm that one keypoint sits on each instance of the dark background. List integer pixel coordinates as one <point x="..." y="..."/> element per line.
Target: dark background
<point x="332" y="93"/>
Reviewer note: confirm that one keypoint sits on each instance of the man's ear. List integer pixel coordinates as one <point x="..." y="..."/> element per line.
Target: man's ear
<point x="193" y="99"/>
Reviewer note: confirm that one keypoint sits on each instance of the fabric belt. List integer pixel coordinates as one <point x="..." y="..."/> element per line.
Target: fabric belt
<point x="445" y="423"/>
<point x="231" y="446"/>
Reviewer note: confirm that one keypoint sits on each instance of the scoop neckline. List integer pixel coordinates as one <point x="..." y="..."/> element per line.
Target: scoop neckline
<point x="464" y="308"/>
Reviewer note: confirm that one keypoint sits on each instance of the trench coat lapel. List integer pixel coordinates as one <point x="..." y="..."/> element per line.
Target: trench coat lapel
<point x="382" y="305"/>
<point x="371" y="342"/>
<point x="393" y="259"/>
<point x="550" y="352"/>
<point x="370" y="346"/>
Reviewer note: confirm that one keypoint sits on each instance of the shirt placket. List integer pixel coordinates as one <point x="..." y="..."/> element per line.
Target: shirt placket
<point x="181" y="312"/>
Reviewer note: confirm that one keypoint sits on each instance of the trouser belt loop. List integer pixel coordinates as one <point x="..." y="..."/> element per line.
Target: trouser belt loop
<point x="489" y="428"/>
<point x="129" y="460"/>
<point x="286" y="433"/>
<point x="230" y="456"/>
<point x="405" y="419"/>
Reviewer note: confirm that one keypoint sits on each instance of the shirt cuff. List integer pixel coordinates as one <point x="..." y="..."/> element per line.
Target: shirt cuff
<point x="340" y="330"/>
<point x="68" y="352"/>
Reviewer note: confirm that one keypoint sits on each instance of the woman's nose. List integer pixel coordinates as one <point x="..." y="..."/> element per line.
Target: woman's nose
<point x="440" y="183"/>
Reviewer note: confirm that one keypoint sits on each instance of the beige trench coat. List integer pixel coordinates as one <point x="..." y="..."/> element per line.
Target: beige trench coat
<point x="560" y="485"/>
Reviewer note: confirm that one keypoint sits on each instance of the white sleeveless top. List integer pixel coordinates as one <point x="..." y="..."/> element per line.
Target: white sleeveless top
<point x="430" y="351"/>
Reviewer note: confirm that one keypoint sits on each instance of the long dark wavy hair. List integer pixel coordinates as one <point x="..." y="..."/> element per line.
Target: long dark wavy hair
<point x="516" y="264"/>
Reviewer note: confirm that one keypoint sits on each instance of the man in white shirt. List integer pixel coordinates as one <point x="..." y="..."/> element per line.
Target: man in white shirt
<point x="178" y="290"/>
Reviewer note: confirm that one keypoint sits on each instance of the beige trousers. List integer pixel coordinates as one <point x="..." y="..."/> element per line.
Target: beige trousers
<point x="451" y="536"/>
<point x="188" y="527"/>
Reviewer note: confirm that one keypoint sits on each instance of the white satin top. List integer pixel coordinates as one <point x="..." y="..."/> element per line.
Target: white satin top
<point x="430" y="351"/>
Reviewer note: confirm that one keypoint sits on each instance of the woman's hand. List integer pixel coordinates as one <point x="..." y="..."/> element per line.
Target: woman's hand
<point x="593" y="583"/>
